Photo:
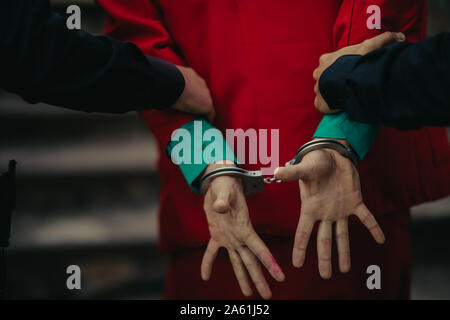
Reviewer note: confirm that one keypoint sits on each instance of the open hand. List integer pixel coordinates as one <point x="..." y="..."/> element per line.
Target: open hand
<point x="230" y="227"/>
<point x="330" y="192"/>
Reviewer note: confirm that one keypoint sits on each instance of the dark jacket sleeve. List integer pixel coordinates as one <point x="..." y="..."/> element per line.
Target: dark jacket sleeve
<point x="402" y="85"/>
<point x="43" y="61"/>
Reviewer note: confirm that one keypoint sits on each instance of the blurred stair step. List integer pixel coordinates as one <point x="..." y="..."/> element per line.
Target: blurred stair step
<point x="123" y="155"/>
<point x="98" y="227"/>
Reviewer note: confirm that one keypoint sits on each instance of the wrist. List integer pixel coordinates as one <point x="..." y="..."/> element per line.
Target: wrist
<point x="320" y="144"/>
<point x="344" y="142"/>
<point x="218" y="165"/>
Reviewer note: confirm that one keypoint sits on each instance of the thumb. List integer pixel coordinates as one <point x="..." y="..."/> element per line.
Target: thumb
<point x="222" y="202"/>
<point x="382" y="40"/>
<point x="296" y="172"/>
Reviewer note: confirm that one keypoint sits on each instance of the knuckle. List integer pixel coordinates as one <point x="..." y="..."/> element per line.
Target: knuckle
<point x="366" y="218"/>
<point x="252" y="265"/>
<point x="342" y="236"/>
<point x="302" y="236"/>
<point x="324" y="261"/>
<point x="315" y="73"/>
<point x="323" y="58"/>
<point x="325" y="242"/>
<point x="258" y="283"/>
<point x="260" y="254"/>
<point x="210" y="102"/>
<point x="316" y="103"/>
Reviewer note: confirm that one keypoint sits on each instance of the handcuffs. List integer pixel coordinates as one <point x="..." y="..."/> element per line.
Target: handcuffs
<point x="254" y="181"/>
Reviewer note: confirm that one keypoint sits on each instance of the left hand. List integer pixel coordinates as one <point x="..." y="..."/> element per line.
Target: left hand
<point x="362" y="49"/>
<point x="230" y="227"/>
<point x="330" y="192"/>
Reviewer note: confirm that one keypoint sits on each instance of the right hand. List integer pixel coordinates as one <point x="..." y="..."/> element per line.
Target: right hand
<point x="363" y="48"/>
<point x="330" y="192"/>
<point x="230" y="227"/>
<point x="196" y="97"/>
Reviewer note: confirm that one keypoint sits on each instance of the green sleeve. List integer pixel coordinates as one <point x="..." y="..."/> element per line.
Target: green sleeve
<point x="196" y="145"/>
<point x="339" y="126"/>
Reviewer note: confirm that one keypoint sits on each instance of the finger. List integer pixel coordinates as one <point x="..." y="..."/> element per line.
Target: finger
<point x="257" y="246"/>
<point x="324" y="249"/>
<point x="320" y="104"/>
<point x="400" y="36"/>
<point x="208" y="259"/>
<point x="211" y="115"/>
<point x="302" y="235"/>
<point x="369" y="221"/>
<point x="240" y="273"/>
<point x="380" y="41"/>
<point x="317" y="72"/>
<point x="255" y="271"/>
<point x="343" y="246"/>
<point x="299" y="171"/>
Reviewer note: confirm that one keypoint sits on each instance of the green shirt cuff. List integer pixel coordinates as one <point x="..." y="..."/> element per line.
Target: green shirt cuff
<point x="196" y="145"/>
<point x="338" y="126"/>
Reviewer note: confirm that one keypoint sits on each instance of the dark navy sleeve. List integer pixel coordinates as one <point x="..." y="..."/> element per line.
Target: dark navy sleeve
<point x="403" y="85"/>
<point x="43" y="61"/>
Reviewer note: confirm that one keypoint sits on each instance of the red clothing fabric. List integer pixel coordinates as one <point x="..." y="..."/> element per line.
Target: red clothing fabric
<point x="393" y="258"/>
<point x="258" y="57"/>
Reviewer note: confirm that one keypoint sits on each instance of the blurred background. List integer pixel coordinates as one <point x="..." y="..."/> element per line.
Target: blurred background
<point x="88" y="195"/>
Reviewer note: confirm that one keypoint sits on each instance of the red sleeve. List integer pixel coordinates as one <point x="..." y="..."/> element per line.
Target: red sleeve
<point x="407" y="16"/>
<point x="140" y="22"/>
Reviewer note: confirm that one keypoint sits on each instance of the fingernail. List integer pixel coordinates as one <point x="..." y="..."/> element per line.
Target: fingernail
<point x="281" y="276"/>
<point x="276" y="171"/>
<point x="247" y="293"/>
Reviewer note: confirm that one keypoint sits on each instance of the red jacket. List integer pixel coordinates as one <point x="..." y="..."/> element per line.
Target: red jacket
<point x="258" y="57"/>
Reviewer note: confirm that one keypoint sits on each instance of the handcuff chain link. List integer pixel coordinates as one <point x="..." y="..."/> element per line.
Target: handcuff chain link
<point x="254" y="181"/>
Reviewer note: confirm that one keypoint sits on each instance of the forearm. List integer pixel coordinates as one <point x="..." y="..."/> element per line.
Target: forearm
<point x="338" y="126"/>
<point x="43" y="61"/>
<point x="193" y="149"/>
<point x="402" y="85"/>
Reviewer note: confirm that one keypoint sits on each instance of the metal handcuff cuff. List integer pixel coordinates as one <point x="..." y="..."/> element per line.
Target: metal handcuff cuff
<point x="254" y="181"/>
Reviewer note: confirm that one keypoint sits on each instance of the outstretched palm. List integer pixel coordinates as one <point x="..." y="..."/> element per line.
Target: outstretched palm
<point x="230" y="227"/>
<point x="330" y="192"/>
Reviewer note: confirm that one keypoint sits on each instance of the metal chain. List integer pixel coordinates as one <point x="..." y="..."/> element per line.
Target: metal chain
<point x="270" y="180"/>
